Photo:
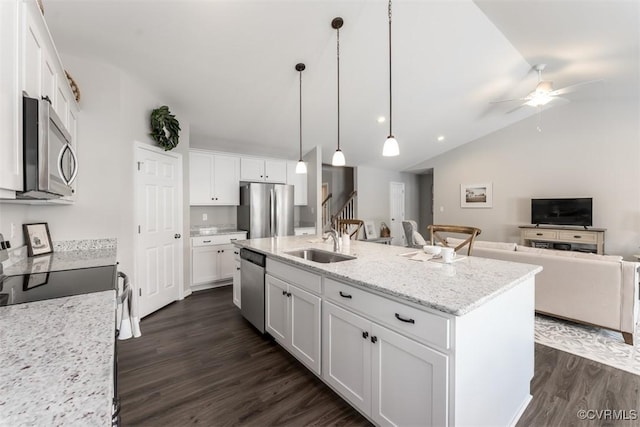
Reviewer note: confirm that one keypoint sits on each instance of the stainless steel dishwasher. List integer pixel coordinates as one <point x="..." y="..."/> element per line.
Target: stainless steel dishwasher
<point x="252" y="266"/>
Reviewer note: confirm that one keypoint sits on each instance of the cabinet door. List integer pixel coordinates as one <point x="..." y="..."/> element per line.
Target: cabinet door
<point x="275" y="171"/>
<point x="236" y="285"/>
<point x="204" y="264"/>
<point x="61" y="104"/>
<point x="226" y="261"/>
<point x="226" y="180"/>
<point x="10" y="100"/>
<point x="32" y="54"/>
<point x="49" y="83"/>
<point x="251" y="169"/>
<point x="346" y="355"/>
<point x="409" y="381"/>
<point x="200" y="179"/>
<point x="277" y="304"/>
<point x="304" y="331"/>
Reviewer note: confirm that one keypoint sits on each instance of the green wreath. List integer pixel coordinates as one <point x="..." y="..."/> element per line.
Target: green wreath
<point x="164" y="128"/>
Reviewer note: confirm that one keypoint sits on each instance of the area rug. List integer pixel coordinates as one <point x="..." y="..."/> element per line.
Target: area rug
<point x="601" y="345"/>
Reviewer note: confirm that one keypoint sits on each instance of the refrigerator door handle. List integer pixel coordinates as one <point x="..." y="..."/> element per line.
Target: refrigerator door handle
<point x="272" y="206"/>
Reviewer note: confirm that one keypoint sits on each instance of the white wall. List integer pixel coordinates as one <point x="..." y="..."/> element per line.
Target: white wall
<point x="373" y="194"/>
<point x="585" y="149"/>
<point x="114" y="112"/>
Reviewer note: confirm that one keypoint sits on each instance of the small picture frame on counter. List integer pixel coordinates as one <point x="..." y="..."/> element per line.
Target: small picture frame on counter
<point x="37" y="238"/>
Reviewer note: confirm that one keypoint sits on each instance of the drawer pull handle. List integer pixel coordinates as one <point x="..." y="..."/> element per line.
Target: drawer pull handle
<point x="577" y="237"/>
<point x="233" y="240"/>
<point x="237" y="268"/>
<point x="206" y="241"/>
<point x="402" y="319"/>
<point x="539" y="234"/>
<point x="365" y="334"/>
<point x="343" y="295"/>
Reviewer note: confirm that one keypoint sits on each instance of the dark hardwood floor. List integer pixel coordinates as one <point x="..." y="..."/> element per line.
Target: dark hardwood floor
<point x="199" y="362"/>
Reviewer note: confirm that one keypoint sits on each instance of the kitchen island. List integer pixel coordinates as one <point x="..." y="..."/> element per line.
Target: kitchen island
<point x="406" y="341"/>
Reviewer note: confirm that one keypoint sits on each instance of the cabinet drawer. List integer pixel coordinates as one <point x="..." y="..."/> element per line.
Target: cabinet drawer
<point x="301" y="278"/>
<point x="217" y="239"/>
<point x="577" y="236"/>
<point x="426" y="327"/>
<point x="541" y="234"/>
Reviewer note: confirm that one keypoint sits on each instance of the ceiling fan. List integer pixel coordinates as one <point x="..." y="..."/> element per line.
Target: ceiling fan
<point x="544" y="92"/>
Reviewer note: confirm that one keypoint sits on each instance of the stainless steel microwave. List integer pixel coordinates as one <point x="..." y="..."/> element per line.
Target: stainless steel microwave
<point x="50" y="163"/>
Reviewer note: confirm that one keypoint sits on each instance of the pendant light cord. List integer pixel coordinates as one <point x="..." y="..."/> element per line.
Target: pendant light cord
<point x="338" y="55"/>
<point x="300" y="115"/>
<point x="390" y="92"/>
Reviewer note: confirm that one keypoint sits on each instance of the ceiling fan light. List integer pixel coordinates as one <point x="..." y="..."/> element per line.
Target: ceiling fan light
<point x="390" y="147"/>
<point x="539" y="99"/>
<point x="301" y="167"/>
<point x="338" y="158"/>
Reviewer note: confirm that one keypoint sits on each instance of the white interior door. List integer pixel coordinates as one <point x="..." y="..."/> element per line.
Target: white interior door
<point x="396" y="212"/>
<point x="159" y="228"/>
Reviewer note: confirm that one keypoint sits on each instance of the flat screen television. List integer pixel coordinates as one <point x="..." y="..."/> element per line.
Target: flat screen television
<point x="578" y="211"/>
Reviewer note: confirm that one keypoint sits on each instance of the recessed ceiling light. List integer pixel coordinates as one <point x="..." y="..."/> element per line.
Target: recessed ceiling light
<point x="382" y="119"/>
<point x="441" y="138"/>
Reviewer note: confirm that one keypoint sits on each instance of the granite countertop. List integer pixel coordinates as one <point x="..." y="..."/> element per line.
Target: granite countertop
<point x="65" y="260"/>
<point x="214" y="231"/>
<point x="455" y="288"/>
<point x="57" y="361"/>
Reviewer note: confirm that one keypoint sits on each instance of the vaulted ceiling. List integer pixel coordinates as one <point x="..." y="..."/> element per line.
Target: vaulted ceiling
<point x="228" y="66"/>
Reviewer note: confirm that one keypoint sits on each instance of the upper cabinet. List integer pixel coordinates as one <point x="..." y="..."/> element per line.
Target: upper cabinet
<point x="263" y="170"/>
<point x="10" y="117"/>
<point x="299" y="182"/>
<point x="214" y="179"/>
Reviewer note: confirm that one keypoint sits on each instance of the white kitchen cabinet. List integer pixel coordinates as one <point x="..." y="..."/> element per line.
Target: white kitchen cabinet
<point x="214" y="179"/>
<point x="391" y="378"/>
<point x="213" y="259"/>
<point x="293" y="318"/>
<point x="263" y="170"/>
<point x="237" y="294"/>
<point x="10" y="101"/>
<point x="299" y="182"/>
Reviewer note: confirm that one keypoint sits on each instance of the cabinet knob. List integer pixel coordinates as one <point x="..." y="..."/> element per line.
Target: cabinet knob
<point x="177" y="236"/>
<point x="374" y="339"/>
<point x="365" y="334"/>
<point x="284" y="292"/>
<point x="237" y="268"/>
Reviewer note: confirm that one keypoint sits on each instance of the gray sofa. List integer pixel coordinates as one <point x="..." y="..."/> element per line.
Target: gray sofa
<point x="599" y="290"/>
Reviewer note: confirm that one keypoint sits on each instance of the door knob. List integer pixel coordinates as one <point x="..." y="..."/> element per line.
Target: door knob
<point x="177" y="236"/>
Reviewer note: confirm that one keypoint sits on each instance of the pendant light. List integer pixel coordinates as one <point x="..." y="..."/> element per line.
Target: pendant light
<point x="301" y="167"/>
<point x="338" y="156"/>
<point x="390" y="147"/>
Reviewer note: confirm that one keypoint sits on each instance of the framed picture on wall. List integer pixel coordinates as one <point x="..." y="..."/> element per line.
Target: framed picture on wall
<point x="37" y="238"/>
<point x="370" y="231"/>
<point x="476" y="195"/>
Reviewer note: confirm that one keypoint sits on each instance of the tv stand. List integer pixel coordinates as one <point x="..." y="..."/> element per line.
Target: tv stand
<point x="566" y="238"/>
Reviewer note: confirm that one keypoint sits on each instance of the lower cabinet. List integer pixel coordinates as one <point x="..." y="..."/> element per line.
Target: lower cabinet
<point x="212" y="263"/>
<point x="292" y="317"/>
<point x="390" y="378"/>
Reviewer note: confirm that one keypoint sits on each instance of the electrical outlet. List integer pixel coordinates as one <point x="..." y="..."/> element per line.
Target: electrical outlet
<point x="441" y="208"/>
<point x="204" y="217"/>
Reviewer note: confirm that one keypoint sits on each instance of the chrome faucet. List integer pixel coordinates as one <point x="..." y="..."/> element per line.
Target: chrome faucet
<point x="333" y="233"/>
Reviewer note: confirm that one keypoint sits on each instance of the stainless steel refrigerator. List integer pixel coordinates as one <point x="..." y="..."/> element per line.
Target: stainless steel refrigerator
<point x="266" y="210"/>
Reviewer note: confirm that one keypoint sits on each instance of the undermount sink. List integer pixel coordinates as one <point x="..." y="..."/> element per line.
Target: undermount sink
<point x="318" y="255"/>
